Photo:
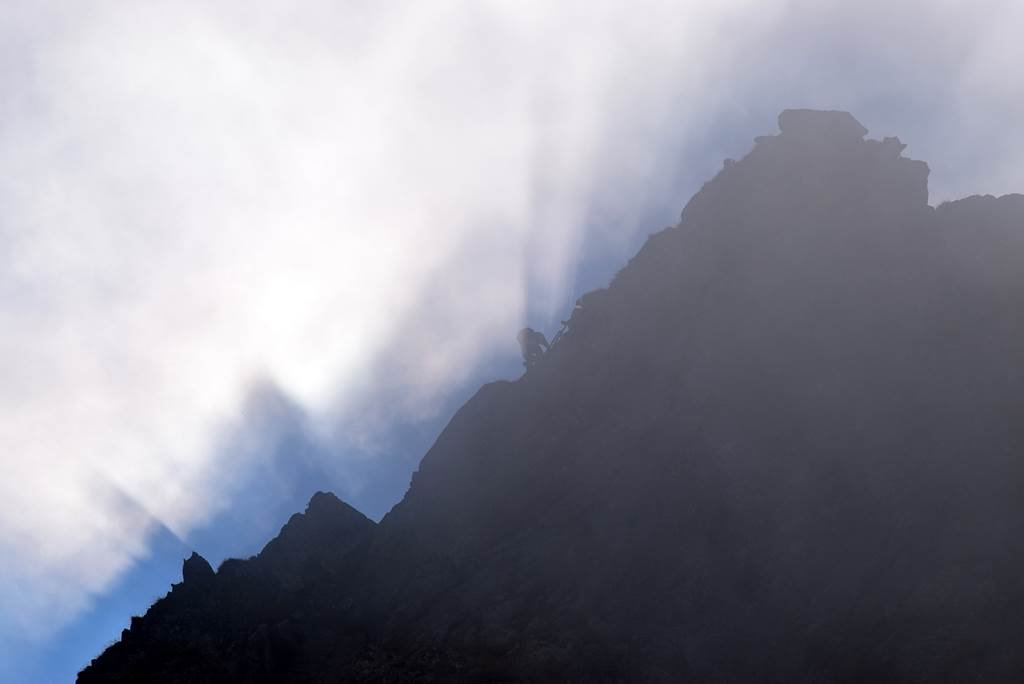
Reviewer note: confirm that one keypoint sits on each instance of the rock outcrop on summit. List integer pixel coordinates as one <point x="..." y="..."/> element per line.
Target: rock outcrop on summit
<point x="196" y="570"/>
<point x="784" y="444"/>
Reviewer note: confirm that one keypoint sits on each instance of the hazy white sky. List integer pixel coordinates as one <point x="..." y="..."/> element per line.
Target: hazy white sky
<point x="199" y="197"/>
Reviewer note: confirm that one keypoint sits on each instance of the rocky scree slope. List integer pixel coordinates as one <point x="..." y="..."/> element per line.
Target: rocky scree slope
<point x="784" y="444"/>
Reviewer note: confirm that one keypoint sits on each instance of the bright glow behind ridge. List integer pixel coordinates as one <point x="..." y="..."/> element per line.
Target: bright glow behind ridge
<point x="197" y="196"/>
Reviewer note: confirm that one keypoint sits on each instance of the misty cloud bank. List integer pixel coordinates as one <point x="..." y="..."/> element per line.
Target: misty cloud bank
<point x="354" y="206"/>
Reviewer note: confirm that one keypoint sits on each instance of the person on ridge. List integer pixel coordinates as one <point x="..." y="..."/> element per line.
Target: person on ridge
<point x="532" y="344"/>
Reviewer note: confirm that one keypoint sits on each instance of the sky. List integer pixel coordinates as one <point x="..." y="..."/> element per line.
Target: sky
<point x="249" y="250"/>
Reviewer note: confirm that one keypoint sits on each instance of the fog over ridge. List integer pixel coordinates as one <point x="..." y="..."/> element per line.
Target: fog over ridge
<point x="198" y="199"/>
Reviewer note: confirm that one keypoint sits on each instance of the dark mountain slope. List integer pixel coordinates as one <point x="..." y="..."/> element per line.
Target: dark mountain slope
<point x="246" y="621"/>
<point x="783" y="445"/>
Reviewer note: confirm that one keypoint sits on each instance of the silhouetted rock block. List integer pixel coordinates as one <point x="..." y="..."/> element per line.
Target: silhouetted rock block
<point x="818" y="125"/>
<point x="195" y="570"/>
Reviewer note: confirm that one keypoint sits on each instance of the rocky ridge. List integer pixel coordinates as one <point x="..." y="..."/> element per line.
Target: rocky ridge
<point x="784" y="444"/>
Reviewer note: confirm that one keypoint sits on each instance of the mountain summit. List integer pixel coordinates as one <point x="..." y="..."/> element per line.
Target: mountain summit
<point x="784" y="444"/>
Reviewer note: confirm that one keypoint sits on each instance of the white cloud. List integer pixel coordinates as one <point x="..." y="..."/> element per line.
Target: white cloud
<point x="198" y="195"/>
<point x="196" y="198"/>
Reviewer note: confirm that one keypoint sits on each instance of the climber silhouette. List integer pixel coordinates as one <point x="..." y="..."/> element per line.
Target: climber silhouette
<point x="532" y="344"/>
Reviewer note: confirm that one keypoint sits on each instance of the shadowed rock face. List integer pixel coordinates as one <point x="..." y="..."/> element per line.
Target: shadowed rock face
<point x="246" y="622"/>
<point x="196" y="570"/>
<point x="784" y="444"/>
<point x="821" y="127"/>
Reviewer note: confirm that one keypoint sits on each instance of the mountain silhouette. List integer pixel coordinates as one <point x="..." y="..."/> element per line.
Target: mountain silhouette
<point x="784" y="444"/>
